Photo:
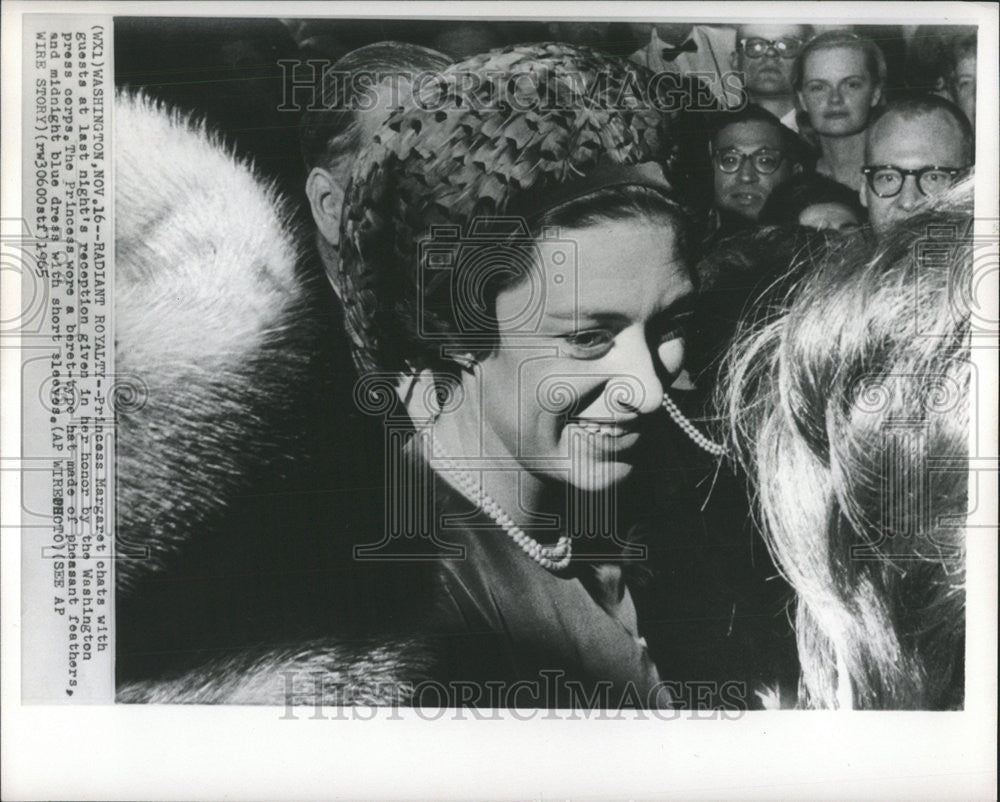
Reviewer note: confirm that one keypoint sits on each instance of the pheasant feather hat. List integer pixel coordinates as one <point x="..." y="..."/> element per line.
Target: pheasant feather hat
<point x="488" y="138"/>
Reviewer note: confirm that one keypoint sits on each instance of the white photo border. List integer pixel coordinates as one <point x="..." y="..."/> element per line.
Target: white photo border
<point x="189" y="752"/>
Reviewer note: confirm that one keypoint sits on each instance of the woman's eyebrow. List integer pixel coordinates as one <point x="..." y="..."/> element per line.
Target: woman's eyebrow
<point x="679" y="306"/>
<point x="596" y="315"/>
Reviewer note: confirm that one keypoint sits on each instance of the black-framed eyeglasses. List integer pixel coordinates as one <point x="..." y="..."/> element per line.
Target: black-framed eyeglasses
<point x="785" y="47"/>
<point x="764" y="160"/>
<point x="886" y="180"/>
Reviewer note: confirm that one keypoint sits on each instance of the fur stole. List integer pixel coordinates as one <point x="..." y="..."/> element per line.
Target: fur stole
<point x="244" y="471"/>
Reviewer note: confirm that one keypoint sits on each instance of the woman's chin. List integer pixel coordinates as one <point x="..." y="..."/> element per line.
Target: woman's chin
<point x="595" y="476"/>
<point x="841" y="127"/>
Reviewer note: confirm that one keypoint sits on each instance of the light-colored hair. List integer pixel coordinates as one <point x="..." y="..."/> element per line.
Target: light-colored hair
<point x="874" y="57"/>
<point x="836" y="403"/>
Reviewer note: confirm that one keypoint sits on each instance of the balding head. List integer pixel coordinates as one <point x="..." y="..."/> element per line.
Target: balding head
<point x="916" y="109"/>
<point x="357" y="93"/>
<point x="913" y="134"/>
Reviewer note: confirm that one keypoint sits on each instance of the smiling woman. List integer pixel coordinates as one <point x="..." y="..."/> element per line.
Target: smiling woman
<point x="521" y="273"/>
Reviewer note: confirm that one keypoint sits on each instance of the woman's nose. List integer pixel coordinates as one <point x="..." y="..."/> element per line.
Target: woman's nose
<point x="671" y="356"/>
<point x="638" y="388"/>
<point x="836" y="98"/>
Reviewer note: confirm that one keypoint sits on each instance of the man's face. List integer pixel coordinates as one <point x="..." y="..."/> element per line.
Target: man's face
<point x="745" y="190"/>
<point x="829" y="216"/>
<point x="383" y="99"/>
<point x="962" y="87"/>
<point x="673" y="33"/>
<point x="326" y="184"/>
<point x="909" y="143"/>
<point x="769" y="75"/>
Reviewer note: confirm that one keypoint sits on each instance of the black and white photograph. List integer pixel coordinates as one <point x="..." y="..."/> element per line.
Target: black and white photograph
<point x="577" y="369"/>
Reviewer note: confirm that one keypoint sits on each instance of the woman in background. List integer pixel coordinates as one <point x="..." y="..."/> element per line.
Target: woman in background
<point x="839" y="78"/>
<point x="835" y="406"/>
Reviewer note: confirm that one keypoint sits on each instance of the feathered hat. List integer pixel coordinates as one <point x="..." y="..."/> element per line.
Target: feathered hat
<point x="490" y="136"/>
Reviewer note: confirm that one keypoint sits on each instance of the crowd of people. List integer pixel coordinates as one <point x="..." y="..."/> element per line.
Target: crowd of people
<point x="575" y="370"/>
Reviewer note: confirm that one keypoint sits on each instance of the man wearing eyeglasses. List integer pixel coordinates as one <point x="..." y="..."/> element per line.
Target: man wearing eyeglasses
<point x="752" y="152"/>
<point x="916" y="148"/>
<point x="765" y="54"/>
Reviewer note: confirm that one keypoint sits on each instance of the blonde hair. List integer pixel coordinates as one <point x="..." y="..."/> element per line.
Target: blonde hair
<point x="836" y="405"/>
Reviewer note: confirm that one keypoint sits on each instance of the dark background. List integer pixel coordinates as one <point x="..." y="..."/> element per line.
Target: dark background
<point x="712" y="605"/>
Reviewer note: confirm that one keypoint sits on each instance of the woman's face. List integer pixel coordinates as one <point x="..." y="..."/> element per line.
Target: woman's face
<point x="838" y="92"/>
<point x="567" y="400"/>
<point x="834" y="216"/>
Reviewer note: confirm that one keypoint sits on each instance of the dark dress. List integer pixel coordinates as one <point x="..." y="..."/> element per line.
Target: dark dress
<point x="529" y="637"/>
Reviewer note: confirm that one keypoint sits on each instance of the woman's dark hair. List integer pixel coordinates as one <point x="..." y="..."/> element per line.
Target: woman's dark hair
<point x="439" y="213"/>
<point x="788" y="200"/>
<point x="622" y="202"/>
<point x="464" y="302"/>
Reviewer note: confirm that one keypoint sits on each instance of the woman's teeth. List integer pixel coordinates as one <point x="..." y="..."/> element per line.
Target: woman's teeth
<point x="607" y="429"/>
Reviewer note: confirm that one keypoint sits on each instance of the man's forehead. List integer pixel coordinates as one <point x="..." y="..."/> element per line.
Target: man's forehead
<point x="750" y="134"/>
<point x="931" y="132"/>
<point x="771" y="31"/>
<point x="389" y="94"/>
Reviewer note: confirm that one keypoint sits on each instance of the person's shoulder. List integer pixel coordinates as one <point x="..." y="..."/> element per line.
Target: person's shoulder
<point x="720" y="37"/>
<point x="790" y="120"/>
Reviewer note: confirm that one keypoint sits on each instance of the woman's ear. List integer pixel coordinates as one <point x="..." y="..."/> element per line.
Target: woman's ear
<point x="876" y="97"/>
<point x="326" y="199"/>
<point x="426" y="395"/>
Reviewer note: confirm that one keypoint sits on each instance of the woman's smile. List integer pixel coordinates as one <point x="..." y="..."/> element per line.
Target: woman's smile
<point x="574" y="394"/>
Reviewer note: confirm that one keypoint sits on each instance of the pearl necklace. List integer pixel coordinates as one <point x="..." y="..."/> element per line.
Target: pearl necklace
<point x="554" y="558"/>
<point x="700" y="440"/>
